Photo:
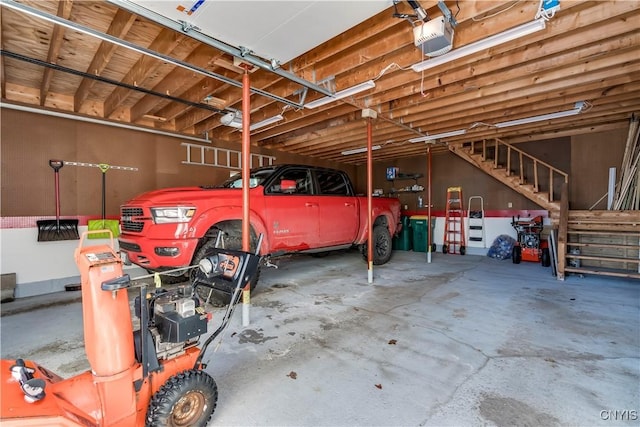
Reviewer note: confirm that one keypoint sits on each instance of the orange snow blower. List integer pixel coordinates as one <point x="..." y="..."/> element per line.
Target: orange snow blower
<point x="152" y="376"/>
<point x="529" y="244"/>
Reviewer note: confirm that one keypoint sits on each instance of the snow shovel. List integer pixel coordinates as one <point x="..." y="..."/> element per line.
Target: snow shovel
<point x="59" y="229"/>
<point x="103" y="224"/>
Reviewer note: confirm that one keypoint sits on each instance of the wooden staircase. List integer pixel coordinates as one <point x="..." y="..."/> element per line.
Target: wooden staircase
<point x="588" y="242"/>
<point x="536" y="180"/>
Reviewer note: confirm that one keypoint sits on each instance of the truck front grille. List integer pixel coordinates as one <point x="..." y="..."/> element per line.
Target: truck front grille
<point x="131" y="219"/>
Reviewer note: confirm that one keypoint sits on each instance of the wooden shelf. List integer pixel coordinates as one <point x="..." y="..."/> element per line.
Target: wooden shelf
<point x="604" y="258"/>
<point x="603" y="272"/>
<point x="406" y="176"/>
<point x="406" y="191"/>
<point x="400" y="176"/>
<point x="605" y="243"/>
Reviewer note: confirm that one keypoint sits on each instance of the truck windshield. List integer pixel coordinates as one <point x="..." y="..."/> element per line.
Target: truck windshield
<point x="256" y="177"/>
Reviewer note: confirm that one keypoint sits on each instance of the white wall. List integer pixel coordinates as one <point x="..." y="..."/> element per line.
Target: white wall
<point x="43" y="267"/>
<point x="46" y="267"/>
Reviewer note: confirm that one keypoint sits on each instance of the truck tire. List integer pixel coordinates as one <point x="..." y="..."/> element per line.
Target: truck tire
<point x="217" y="297"/>
<point x="186" y="399"/>
<point x="382" y="246"/>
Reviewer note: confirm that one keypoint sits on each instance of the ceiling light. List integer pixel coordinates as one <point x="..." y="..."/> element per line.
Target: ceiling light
<point x="486" y="43"/>
<point x="234" y="119"/>
<point x="369" y="84"/>
<point x="266" y="122"/>
<point x="360" y="150"/>
<point x="576" y="110"/>
<point x="438" y="136"/>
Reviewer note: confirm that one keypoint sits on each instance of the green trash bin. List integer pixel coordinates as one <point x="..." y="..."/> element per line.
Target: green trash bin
<point x="419" y="231"/>
<point x="402" y="241"/>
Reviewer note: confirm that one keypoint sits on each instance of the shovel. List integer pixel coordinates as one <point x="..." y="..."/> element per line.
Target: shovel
<point x="59" y="229"/>
<point x="103" y="224"/>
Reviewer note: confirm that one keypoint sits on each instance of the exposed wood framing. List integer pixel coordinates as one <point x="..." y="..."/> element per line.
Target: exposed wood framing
<point x="588" y="52"/>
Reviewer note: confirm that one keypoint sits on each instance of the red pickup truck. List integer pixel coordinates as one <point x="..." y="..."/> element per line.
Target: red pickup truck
<point x="296" y="209"/>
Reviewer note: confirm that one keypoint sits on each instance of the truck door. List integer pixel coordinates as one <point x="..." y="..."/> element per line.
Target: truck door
<point x="291" y="211"/>
<point x="339" y="219"/>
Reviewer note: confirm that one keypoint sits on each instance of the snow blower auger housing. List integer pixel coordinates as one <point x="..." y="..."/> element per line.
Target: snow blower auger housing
<point x="153" y="376"/>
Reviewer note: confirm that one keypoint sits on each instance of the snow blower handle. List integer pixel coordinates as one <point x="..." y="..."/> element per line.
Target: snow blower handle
<point x="33" y="388"/>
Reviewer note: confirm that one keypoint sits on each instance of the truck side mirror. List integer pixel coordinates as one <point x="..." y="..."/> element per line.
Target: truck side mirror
<point x="288" y="185"/>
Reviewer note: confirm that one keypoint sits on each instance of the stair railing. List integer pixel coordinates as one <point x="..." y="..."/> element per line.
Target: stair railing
<point x="510" y="150"/>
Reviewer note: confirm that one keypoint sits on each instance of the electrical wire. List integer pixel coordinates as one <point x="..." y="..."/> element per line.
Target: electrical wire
<point x="544" y="13"/>
<point x="496" y="13"/>
<point x="586" y="107"/>
<point x="389" y="67"/>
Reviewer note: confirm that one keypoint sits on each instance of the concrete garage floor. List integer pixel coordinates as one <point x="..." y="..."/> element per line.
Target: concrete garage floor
<point x="465" y="340"/>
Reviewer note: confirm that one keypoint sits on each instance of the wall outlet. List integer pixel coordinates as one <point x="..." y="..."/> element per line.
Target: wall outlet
<point x="509" y="205"/>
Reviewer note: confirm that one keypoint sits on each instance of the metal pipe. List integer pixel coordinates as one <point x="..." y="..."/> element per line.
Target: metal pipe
<point x="12" y="4"/>
<point x="108" y="81"/>
<point x="232" y="50"/>
<point x="370" y="199"/>
<point x="99" y="121"/>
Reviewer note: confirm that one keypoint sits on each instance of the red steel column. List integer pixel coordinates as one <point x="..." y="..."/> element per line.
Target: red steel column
<point x="429" y="231"/>
<point x="246" y="160"/>
<point x="370" y="198"/>
<point x="246" y="169"/>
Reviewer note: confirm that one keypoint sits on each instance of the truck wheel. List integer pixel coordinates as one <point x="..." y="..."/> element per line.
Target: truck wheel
<point x="186" y="399"/>
<point x="219" y="296"/>
<point x="381" y="246"/>
<point x="445" y="249"/>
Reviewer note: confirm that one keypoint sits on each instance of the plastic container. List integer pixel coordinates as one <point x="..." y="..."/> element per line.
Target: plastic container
<point x="419" y="231"/>
<point x="402" y="241"/>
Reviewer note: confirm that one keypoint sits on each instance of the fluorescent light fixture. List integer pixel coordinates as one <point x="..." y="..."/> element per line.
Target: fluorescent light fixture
<point x="576" y="110"/>
<point x="266" y="122"/>
<point x="360" y="150"/>
<point x="438" y="136"/>
<point x="486" y="43"/>
<point x="234" y="120"/>
<point x="369" y="84"/>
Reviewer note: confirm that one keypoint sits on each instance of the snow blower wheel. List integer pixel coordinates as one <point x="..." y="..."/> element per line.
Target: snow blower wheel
<point x="516" y="255"/>
<point x="186" y="399"/>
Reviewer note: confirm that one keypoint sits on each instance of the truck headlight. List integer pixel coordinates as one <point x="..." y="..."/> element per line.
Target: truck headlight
<point x="172" y="214"/>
